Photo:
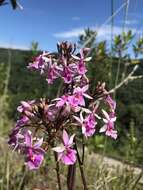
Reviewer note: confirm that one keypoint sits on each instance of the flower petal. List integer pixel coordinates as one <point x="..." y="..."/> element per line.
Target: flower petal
<point x="65" y="137"/>
<point x="71" y="140"/>
<point x="106" y="114"/>
<point x="38" y="143"/>
<point x="58" y="149"/>
<point x="103" y="129"/>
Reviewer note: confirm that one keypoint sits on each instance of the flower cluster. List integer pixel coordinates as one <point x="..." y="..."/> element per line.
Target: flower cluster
<point x="43" y="123"/>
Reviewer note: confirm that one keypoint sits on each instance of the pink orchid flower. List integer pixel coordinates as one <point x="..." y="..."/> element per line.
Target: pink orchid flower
<point x="67" y="74"/>
<point x="38" y="63"/>
<point x="52" y="72"/>
<point x="65" y="153"/>
<point x="108" y="128"/>
<point x="81" y="65"/>
<point x="69" y="103"/>
<point x="88" y="124"/>
<point x="81" y="68"/>
<point x="62" y="101"/>
<point x="79" y="94"/>
<point x="34" y="152"/>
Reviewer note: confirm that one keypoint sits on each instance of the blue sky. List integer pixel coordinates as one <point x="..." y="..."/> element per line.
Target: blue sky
<point x="55" y="20"/>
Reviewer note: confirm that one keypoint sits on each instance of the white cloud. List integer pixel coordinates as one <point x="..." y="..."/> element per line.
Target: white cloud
<point x="130" y="22"/>
<point x="14" y="46"/>
<point x="76" y="18"/>
<point x="104" y="32"/>
<point x="70" y="34"/>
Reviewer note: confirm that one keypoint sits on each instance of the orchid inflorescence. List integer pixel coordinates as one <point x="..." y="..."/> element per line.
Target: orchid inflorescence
<point x="44" y="123"/>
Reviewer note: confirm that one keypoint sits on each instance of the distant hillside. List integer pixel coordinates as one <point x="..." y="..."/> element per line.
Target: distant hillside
<point x="23" y="84"/>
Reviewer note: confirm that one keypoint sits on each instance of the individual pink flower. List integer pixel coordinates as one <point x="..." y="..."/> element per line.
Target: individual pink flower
<point x="68" y="102"/>
<point x="66" y="153"/>
<point x="88" y="124"/>
<point x="34" y="152"/>
<point x="62" y="101"/>
<point x="81" y="68"/>
<point x="108" y="128"/>
<point x="52" y="72"/>
<point x="81" y="64"/>
<point x="67" y="74"/>
<point x="78" y="96"/>
<point x="38" y="63"/>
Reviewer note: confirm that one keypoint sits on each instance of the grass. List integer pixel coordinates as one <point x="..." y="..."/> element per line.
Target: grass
<point x="14" y="175"/>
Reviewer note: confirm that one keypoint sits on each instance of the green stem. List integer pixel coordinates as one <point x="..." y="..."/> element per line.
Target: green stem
<point x="118" y="72"/>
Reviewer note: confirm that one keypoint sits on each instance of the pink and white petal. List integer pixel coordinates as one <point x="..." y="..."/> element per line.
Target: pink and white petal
<point x="76" y="108"/>
<point x="106" y="114"/>
<point x="28" y="138"/>
<point x="77" y="90"/>
<point x="87" y="59"/>
<point x="77" y="119"/>
<point x="87" y="96"/>
<point x="70" y="143"/>
<point x="25" y="104"/>
<point x="30" y="165"/>
<point x="114" y="135"/>
<point x="65" y="137"/>
<point x="58" y="149"/>
<point x="105" y="120"/>
<point x="60" y="155"/>
<point x="66" y="160"/>
<point x="85" y="88"/>
<point x="103" y="129"/>
<point x="86" y="110"/>
<point x="83" y="129"/>
<point x="81" y="116"/>
<point x="56" y="99"/>
<point x="97" y="116"/>
<point x="75" y="57"/>
<point x="113" y="119"/>
<point x="60" y="103"/>
<point x="82" y="101"/>
<point x="20" y="109"/>
<point x="69" y="159"/>
<point x="38" y="143"/>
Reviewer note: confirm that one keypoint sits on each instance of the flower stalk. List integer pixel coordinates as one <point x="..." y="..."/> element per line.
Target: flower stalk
<point x="57" y="171"/>
<point x="81" y="167"/>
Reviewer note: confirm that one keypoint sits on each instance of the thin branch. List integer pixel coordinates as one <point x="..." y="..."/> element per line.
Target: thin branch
<point x="118" y="71"/>
<point x="83" y="149"/>
<point x="81" y="168"/>
<point x="126" y="80"/>
<point x="136" y="77"/>
<point x="71" y="177"/>
<point x="106" y="21"/>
